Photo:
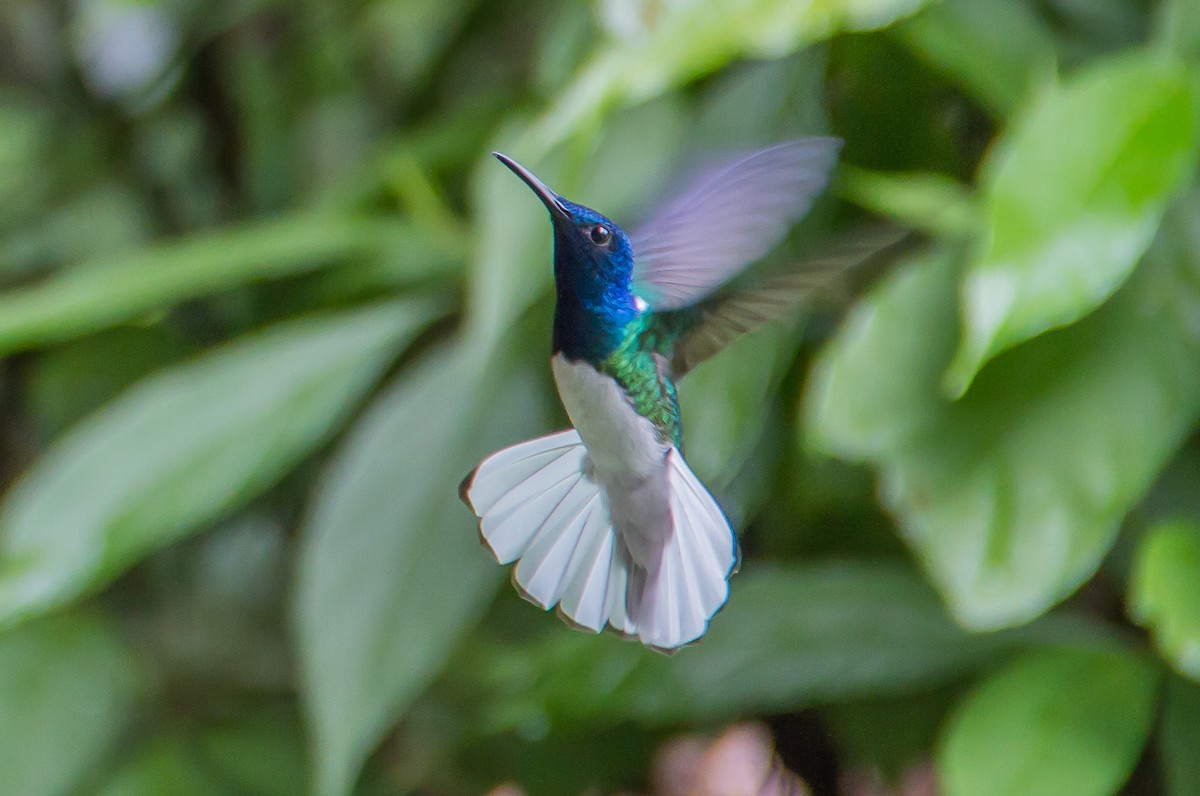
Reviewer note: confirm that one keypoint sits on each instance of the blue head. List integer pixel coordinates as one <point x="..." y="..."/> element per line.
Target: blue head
<point x="593" y="268"/>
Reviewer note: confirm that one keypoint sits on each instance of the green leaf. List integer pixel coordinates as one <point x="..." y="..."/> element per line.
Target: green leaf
<point x="1180" y="738"/>
<point x="929" y="202"/>
<point x="998" y="52"/>
<point x="97" y="295"/>
<point x="183" y="447"/>
<point x="67" y="688"/>
<point x="1054" y="722"/>
<point x="65" y="386"/>
<point x="391" y="571"/>
<point x="790" y="637"/>
<point x="1164" y="595"/>
<point x="1068" y="215"/>
<point x="1178" y="27"/>
<point x="682" y="41"/>
<point x="1011" y="496"/>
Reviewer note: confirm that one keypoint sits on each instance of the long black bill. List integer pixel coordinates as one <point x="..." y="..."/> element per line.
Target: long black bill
<point x="548" y="197"/>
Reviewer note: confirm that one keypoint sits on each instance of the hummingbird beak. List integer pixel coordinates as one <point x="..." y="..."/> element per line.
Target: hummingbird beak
<point x="548" y="197"/>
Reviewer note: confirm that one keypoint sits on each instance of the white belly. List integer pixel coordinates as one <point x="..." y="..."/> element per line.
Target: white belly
<point x="622" y="444"/>
<point x="630" y="460"/>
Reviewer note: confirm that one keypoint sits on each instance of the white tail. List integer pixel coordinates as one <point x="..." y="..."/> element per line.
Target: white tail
<point x="540" y="505"/>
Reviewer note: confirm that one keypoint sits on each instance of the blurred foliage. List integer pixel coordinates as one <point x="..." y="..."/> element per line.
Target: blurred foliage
<point x="264" y="299"/>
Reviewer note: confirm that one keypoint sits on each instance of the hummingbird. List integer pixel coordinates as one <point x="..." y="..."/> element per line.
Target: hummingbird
<point x="605" y="520"/>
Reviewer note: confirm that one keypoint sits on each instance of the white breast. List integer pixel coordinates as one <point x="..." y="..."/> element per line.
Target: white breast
<point x="623" y="445"/>
<point x="629" y="458"/>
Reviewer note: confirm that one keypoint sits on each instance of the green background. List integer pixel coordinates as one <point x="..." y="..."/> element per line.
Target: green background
<point x="264" y="299"/>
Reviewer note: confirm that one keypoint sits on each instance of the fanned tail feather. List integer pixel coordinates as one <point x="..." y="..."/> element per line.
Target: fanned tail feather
<point x="691" y="581"/>
<point x="540" y="505"/>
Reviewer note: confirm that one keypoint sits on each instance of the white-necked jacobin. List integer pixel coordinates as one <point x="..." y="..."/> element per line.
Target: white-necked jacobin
<point x="606" y="520"/>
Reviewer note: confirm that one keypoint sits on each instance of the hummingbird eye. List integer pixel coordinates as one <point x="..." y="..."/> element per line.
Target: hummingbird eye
<point x="600" y="235"/>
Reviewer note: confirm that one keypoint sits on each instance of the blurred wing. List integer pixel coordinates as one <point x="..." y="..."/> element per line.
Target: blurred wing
<point x="705" y="329"/>
<point x="727" y="218"/>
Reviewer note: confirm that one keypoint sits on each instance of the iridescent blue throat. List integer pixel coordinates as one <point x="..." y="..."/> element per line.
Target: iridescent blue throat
<point x="594" y="303"/>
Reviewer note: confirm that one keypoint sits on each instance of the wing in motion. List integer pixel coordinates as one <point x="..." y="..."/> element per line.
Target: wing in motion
<point x="726" y="218"/>
<point x="690" y="335"/>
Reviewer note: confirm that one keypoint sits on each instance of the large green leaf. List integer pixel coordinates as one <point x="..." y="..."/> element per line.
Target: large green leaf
<point x="929" y="202"/>
<point x="183" y="447"/>
<point x="678" y="42"/>
<point x="1054" y="722"/>
<point x="392" y="572"/>
<point x="790" y="637"/>
<point x="1179" y="27"/>
<point x="998" y="52"/>
<point x="1074" y="193"/>
<point x="67" y="688"/>
<point x="97" y="295"/>
<point x="64" y="386"/>
<point x="1164" y="595"/>
<point x="1011" y="496"/>
<point x="1180" y="738"/>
